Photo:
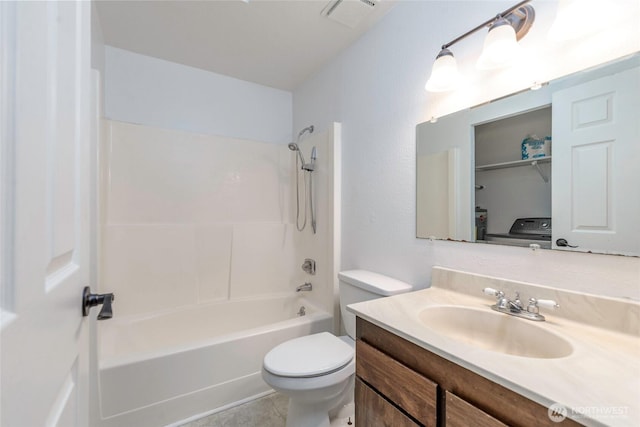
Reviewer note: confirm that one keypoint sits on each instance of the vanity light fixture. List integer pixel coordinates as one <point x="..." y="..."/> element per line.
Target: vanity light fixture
<point x="500" y="46"/>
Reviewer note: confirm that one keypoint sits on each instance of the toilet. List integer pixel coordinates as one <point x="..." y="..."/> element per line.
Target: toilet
<point x="317" y="371"/>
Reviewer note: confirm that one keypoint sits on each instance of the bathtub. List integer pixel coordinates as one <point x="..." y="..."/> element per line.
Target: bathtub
<point x="163" y="368"/>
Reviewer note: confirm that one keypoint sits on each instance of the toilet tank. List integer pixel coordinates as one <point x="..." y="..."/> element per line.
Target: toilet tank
<point x="362" y="285"/>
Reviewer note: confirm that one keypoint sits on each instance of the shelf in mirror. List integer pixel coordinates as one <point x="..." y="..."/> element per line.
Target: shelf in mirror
<point x="514" y="163"/>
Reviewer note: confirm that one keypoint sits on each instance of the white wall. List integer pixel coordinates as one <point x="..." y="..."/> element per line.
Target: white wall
<point x="150" y="91"/>
<point x="375" y="88"/>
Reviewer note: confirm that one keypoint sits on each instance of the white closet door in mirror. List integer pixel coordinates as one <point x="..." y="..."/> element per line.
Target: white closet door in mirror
<point x="596" y="125"/>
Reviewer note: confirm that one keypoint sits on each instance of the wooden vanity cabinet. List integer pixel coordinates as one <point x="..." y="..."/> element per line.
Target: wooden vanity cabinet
<point x="401" y="384"/>
<point x="375" y="411"/>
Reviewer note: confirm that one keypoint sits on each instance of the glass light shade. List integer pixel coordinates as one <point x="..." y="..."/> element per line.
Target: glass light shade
<point x="500" y="46"/>
<point x="444" y="74"/>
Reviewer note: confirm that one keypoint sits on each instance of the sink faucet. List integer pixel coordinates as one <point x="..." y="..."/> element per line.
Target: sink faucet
<point x="306" y="287"/>
<point x="505" y="303"/>
<point x="515" y="307"/>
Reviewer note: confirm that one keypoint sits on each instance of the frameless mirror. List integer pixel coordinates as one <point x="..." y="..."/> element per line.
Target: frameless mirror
<point x="555" y="167"/>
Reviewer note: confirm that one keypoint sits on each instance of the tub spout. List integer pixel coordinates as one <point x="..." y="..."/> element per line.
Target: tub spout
<point x="306" y="287"/>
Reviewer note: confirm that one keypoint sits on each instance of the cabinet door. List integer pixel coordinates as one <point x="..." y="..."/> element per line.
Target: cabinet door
<point x="459" y="413"/>
<point x="410" y="391"/>
<point x="596" y="129"/>
<point x="374" y="411"/>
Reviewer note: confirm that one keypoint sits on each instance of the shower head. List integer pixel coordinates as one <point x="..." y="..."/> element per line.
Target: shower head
<point x="307" y="129"/>
<point x="294" y="147"/>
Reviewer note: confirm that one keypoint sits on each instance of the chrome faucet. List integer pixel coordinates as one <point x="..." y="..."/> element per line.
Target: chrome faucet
<point x="514" y="307"/>
<point x="306" y="287"/>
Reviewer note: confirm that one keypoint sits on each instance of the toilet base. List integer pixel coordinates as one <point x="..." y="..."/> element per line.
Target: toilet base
<point x="305" y="413"/>
<point x="317" y="416"/>
<point x="344" y="416"/>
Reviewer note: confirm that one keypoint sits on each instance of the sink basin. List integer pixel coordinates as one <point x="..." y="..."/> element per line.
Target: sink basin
<point x="489" y="330"/>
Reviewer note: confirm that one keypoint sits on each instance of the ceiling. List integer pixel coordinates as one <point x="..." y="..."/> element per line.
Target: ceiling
<point x="269" y="42"/>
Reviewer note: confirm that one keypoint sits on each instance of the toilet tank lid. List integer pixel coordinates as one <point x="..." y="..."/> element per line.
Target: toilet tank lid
<point x="374" y="282"/>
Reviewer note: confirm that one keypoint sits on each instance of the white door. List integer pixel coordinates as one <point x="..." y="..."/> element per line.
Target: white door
<point x="44" y="216"/>
<point x="596" y="125"/>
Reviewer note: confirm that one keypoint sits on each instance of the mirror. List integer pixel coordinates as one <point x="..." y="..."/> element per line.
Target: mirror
<point x="555" y="167"/>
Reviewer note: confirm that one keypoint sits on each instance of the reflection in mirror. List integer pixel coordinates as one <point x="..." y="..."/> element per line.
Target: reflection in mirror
<point x="513" y="179"/>
<point x="555" y="167"/>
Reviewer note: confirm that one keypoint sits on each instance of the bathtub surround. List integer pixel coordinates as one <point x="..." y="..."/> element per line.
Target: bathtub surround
<point x="184" y="214"/>
<point x="324" y="245"/>
<point x="380" y="109"/>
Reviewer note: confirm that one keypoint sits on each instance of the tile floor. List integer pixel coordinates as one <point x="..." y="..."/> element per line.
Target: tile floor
<point x="268" y="411"/>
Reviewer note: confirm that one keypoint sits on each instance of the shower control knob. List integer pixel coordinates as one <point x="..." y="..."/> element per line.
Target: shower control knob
<point x="309" y="266"/>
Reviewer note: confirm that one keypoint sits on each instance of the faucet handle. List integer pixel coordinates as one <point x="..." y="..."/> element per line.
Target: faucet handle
<point x="548" y="303"/>
<point x="534" y="303"/>
<point x="493" y="292"/>
<point x="516" y="301"/>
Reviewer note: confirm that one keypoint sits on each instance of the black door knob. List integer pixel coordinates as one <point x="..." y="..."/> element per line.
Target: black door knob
<point x="91" y="300"/>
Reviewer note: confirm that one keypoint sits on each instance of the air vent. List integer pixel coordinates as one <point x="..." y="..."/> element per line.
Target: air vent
<point x="349" y="12"/>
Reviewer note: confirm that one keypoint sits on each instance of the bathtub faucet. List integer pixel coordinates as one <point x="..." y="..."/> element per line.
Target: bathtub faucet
<point x="306" y="287"/>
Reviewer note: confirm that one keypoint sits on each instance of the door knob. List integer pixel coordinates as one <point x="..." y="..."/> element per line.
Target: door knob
<point x="564" y="243"/>
<point x="91" y="300"/>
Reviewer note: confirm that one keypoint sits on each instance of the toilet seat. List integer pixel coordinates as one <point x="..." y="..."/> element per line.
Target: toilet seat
<point x="309" y="356"/>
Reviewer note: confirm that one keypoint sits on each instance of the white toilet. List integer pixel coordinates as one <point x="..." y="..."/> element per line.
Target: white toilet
<point x="317" y="371"/>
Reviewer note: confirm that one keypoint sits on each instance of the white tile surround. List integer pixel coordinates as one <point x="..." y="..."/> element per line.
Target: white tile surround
<point x="189" y="218"/>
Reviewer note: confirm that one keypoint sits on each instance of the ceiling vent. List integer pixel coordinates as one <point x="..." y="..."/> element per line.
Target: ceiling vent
<point x="349" y="12"/>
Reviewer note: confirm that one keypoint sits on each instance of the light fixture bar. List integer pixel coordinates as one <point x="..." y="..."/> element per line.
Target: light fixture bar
<point x="484" y="24"/>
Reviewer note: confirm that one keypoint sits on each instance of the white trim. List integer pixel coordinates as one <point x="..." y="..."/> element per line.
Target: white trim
<point x="7" y="157"/>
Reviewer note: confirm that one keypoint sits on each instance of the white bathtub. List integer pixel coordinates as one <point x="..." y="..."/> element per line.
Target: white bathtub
<point x="162" y="368"/>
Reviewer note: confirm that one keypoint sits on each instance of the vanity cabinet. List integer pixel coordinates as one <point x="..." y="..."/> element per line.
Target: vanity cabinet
<point x="401" y="384"/>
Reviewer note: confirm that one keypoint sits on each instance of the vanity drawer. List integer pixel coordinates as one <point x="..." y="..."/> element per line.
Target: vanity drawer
<point x="458" y="412"/>
<point x="375" y="411"/>
<point x="409" y="390"/>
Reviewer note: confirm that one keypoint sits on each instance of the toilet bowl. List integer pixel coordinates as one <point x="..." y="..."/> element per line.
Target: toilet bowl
<point x="317" y="371"/>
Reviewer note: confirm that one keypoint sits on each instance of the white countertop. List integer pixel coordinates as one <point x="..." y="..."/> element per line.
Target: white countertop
<point x="599" y="382"/>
